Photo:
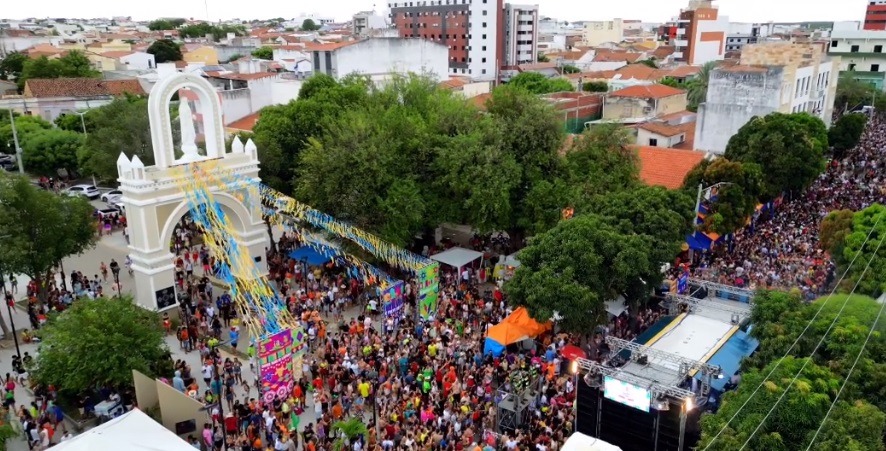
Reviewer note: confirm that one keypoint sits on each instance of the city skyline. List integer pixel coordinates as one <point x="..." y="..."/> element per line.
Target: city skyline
<point x="341" y="10"/>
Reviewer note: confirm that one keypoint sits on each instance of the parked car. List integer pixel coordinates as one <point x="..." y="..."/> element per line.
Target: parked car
<point x="8" y="162"/>
<point x="107" y="197"/>
<point x="88" y="191"/>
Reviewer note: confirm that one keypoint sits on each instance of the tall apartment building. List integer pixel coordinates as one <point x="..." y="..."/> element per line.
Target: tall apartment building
<point x="700" y="34"/>
<point x="473" y="30"/>
<point x="875" y="15"/>
<point x="521" y="34"/>
<point x="772" y="77"/>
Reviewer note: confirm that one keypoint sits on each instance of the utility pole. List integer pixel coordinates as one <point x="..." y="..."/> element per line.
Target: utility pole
<point x="18" y="149"/>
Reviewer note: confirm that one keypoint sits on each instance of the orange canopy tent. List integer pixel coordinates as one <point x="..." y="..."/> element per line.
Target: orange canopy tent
<point x="516" y="327"/>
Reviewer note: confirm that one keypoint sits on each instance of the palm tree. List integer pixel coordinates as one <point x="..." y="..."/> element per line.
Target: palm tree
<point x="697" y="87"/>
<point x="347" y="432"/>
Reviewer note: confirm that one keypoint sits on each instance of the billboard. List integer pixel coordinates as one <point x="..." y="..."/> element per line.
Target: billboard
<point x="392" y="300"/>
<point x="627" y="394"/>
<point x="275" y="360"/>
<point x="428" y="289"/>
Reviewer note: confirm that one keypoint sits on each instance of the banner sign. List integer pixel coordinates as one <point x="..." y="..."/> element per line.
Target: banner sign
<point x="682" y="283"/>
<point x="428" y="289"/>
<point x="392" y="300"/>
<point x="275" y="360"/>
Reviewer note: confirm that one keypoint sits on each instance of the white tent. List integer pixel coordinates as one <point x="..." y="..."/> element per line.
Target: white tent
<point x="131" y="431"/>
<point x="616" y="306"/>
<point x="457" y="257"/>
<point x="581" y="442"/>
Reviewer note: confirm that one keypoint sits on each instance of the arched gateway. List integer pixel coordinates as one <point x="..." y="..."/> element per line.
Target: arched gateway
<point x="153" y="197"/>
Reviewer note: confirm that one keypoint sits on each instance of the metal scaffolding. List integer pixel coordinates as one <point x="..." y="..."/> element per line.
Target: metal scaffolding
<point x="687" y="366"/>
<point x="658" y="389"/>
<point x="742" y="312"/>
<point x="728" y="289"/>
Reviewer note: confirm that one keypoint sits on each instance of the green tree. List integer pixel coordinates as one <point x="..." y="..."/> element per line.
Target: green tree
<point x="347" y="432"/>
<point x="309" y="25"/>
<point x="788" y="147"/>
<point x="863" y="224"/>
<point x="672" y="82"/>
<point x="575" y="267"/>
<point x="537" y="83"/>
<point x="852" y="94"/>
<point x="165" y="50"/>
<point x="165" y="24"/>
<point x="41" y="228"/>
<point x="846" y="132"/>
<point x="697" y="86"/>
<point x="120" y="126"/>
<point x="600" y="161"/>
<point x="649" y="62"/>
<point x="595" y="86"/>
<point x="73" y="65"/>
<point x="265" y="53"/>
<point x="122" y="337"/>
<point x="542" y="58"/>
<point x="25" y="126"/>
<point x="736" y="197"/>
<point x="51" y="150"/>
<point x="856" y="426"/>
<point x="834" y="229"/>
<point x="12" y="65"/>
<point x="72" y="122"/>
<point x="569" y="69"/>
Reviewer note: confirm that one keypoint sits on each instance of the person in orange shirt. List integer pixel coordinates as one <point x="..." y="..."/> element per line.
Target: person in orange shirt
<point x="337" y="411"/>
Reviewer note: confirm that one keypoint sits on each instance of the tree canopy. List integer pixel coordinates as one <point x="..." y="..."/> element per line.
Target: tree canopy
<point x="852" y="94"/>
<point x="595" y="86"/>
<point x="264" y="52"/>
<point x="834" y="229"/>
<point x="25" y="127"/>
<point x="217" y="32"/>
<point x="12" y="65"/>
<point x="537" y="83"/>
<point x="697" y="86"/>
<point x="735" y="199"/>
<point x="51" y="150"/>
<point x="98" y="343"/>
<point x="165" y="50"/>
<point x="846" y="132"/>
<point x="788" y="147"/>
<point x="41" y="228"/>
<point x="165" y="24"/>
<point x="309" y="25"/>
<point x="871" y="220"/>
<point x="73" y="65"/>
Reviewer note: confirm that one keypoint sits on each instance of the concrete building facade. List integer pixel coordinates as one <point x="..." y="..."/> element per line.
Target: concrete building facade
<point x="521" y="34"/>
<point x="700" y="34"/>
<point x="599" y="31"/>
<point x="772" y="77"/>
<point x="473" y="31"/>
<point x="875" y="15"/>
<point x="364" y="22"/>
<point x="383" y="58"/>
<point x="861" y="54"/>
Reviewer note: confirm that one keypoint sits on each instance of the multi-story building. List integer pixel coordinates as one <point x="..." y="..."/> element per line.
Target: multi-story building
<point x="700" y="34"/>
<point x="598" y="32"/>
<point x="473" y="30"/>
<point x="521" y="34"/>
<point x="741" y="34"/>
<point x="875" y="16"/>
<point x="861" y="54"/>
<point x="772" y="77"/>
<point x="364" y="22"/>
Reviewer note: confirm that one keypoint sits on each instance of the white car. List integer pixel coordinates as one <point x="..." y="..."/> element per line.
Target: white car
<point x="88" y="191"/>
<point x="111" y="195"/>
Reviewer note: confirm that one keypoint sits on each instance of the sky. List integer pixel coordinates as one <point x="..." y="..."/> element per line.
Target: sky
<point x="341" y="10"/>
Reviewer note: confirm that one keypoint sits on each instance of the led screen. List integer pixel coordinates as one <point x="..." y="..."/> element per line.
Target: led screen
<point x="627" y="394"/>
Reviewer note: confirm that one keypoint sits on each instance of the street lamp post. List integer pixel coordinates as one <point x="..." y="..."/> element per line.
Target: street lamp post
<point x="10" y="301"/>
<point x="18" y="148"/>
<point x="117" y="281"/>
<point x="304" y="264"/>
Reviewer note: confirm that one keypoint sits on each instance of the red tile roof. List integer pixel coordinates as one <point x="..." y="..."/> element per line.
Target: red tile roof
<point x="80" y="87"/>
<point x="666" y="167"/>
<point x="328" y="47"/>
<point x="655" y="91"/>
<point x="614" y="57"/>
<point x="667" y="130"/>
<point x="536" y="66"/>
<point x="480" y="100"/>
<point x="117" y="54"/>
<point x="454" y="83"/>
<point x="245" y="124"/>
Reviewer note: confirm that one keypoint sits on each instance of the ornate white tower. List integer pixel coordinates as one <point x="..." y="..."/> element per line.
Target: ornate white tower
<point x="153" y="197"/>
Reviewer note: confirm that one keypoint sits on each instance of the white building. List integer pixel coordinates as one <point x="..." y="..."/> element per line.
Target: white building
<point x="138" y="61"/>
<point x="861" y="52"/>
<point x="382" y="58"/>
<point x="772" y="77"/>
<point x="484" y="38"/>
<point x="364" y="22"/>
<point x="598" y="32"/>
<point x="521" y="34"/>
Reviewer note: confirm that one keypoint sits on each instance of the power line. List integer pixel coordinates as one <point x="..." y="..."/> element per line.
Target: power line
<point x="820" y="342"/>
<point x="849" y="375"/>
<point x="797" y="340"/>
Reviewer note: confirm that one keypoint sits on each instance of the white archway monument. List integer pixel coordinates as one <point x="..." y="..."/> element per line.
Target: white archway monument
<point x="153" y="197"/>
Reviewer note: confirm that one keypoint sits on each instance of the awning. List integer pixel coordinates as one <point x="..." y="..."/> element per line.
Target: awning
<point x="313" y="257"/>
<point x="457" y="257"/>
<point x="616" y="306"/>
<point x="132" y="431"/>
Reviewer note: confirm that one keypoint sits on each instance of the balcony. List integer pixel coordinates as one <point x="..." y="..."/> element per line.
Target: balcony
<point x="681" y="43"/>
<point x="681" y="32"/>
<point x="524" y="27"/>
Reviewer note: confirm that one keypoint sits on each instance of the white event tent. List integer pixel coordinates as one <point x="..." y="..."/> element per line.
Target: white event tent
<point x="457" y="257"/>
<point x="132" y="431"/>
<point x="581" y="442"/>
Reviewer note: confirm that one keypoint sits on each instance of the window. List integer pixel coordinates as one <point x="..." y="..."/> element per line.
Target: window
<point x="484" y="12"/>
<point x="878" y="49"/>
<point x="484" y="70"/>
<point x="852" y="66"/>
<point x="484" y="60"/>
<point x="875" y="68"/>
<point x="484" y="48"/>
<point x="834" y="43"/>
<point x="484" y="24"/>
<point x="653" y="142"/>
<point x="854" y="49"/>
<point x="484" y="36"/>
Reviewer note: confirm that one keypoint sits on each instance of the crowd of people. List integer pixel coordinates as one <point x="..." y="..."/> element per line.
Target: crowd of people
<point x="781" y="249"/>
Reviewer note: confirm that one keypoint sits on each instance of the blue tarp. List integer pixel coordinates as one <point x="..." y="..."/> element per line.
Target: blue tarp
<point x="698" y="241"/>
<point x="314" y="258"/>
<point x="728" y="358"/>
<point x="494" y="347"/>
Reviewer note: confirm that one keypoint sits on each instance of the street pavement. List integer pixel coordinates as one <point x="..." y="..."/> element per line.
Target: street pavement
<point x="108" y="247"/>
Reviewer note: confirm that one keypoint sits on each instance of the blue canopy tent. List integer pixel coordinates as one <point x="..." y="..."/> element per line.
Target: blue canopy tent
<point x="310" y="254"/>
